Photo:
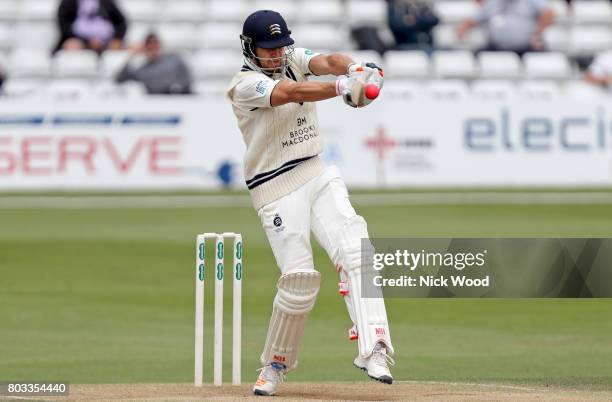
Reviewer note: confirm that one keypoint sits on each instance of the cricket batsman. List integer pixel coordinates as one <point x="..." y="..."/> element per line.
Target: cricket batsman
<point x="294" y="192"/>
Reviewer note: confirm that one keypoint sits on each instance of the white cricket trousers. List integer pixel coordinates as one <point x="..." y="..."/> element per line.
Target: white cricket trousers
<point x="321" y="205"/>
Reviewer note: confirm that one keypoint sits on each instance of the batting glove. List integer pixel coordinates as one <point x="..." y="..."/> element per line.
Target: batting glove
<point x="344" y="85"/>
<point x="370" y="72"/>
<point x="368" y="68"/>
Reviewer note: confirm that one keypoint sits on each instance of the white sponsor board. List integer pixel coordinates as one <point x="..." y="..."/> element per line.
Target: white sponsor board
<point x="447" y="143"/>
<point x="192" y="143"/>
<point x="151" y="144"/>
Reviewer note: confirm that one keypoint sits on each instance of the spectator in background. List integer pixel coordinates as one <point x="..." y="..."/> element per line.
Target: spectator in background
<point x="2" y="74"/>
<point x="161" y="73"/>
<point x="90" y="24"/>
<point x="411" y="22"/>
<point x="513" y="25"/>
<point x="600" y="70"/>
<point x="368" y="38"/>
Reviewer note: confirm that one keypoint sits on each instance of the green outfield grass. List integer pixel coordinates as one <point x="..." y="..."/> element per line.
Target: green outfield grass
<point x="107" y="296"/>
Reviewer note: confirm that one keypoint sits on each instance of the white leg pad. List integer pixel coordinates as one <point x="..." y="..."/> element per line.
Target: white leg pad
<point x="348" y="297"/>
<point x="369" y="314"/>
<point x="295" y="297"/>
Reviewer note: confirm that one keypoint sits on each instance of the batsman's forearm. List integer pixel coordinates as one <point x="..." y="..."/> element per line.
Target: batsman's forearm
<point x="287" y="91"/>
<point x="339" y="63"/>
<point x="312" y="91"/>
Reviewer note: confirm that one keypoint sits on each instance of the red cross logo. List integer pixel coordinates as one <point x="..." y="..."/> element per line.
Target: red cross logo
<point x="380" y="143"/>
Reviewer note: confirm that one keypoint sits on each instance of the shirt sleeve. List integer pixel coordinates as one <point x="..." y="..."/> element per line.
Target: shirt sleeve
<point x="254" y="91"/>
<point x="302" y="57"/>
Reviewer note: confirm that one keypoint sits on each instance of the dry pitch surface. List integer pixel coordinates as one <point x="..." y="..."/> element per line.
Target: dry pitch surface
<point x="361" y="391"/>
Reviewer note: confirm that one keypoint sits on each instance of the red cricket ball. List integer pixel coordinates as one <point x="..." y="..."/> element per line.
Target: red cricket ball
<point x="371" y="91"/>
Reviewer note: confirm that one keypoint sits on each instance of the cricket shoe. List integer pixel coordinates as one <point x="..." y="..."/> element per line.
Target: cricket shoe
<point x="269" y="378"/>
<point x="377" y="365"/>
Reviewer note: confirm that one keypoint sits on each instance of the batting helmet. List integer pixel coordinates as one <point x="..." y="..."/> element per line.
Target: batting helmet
<point x="266" y="29"/>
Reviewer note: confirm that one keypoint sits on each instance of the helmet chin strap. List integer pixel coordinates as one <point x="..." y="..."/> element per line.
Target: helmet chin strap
<point x="270" y="72"/>
<point x="275" y="73"/>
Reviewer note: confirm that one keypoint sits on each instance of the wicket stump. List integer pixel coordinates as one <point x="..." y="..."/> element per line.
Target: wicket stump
<point x="199" y="308"/>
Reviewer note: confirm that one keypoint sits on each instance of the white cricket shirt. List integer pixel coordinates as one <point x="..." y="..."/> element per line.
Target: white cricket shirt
<point x="283" y="143"/>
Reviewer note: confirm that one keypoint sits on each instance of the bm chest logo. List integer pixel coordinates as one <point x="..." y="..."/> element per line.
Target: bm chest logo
<point x="275" y="29"/>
